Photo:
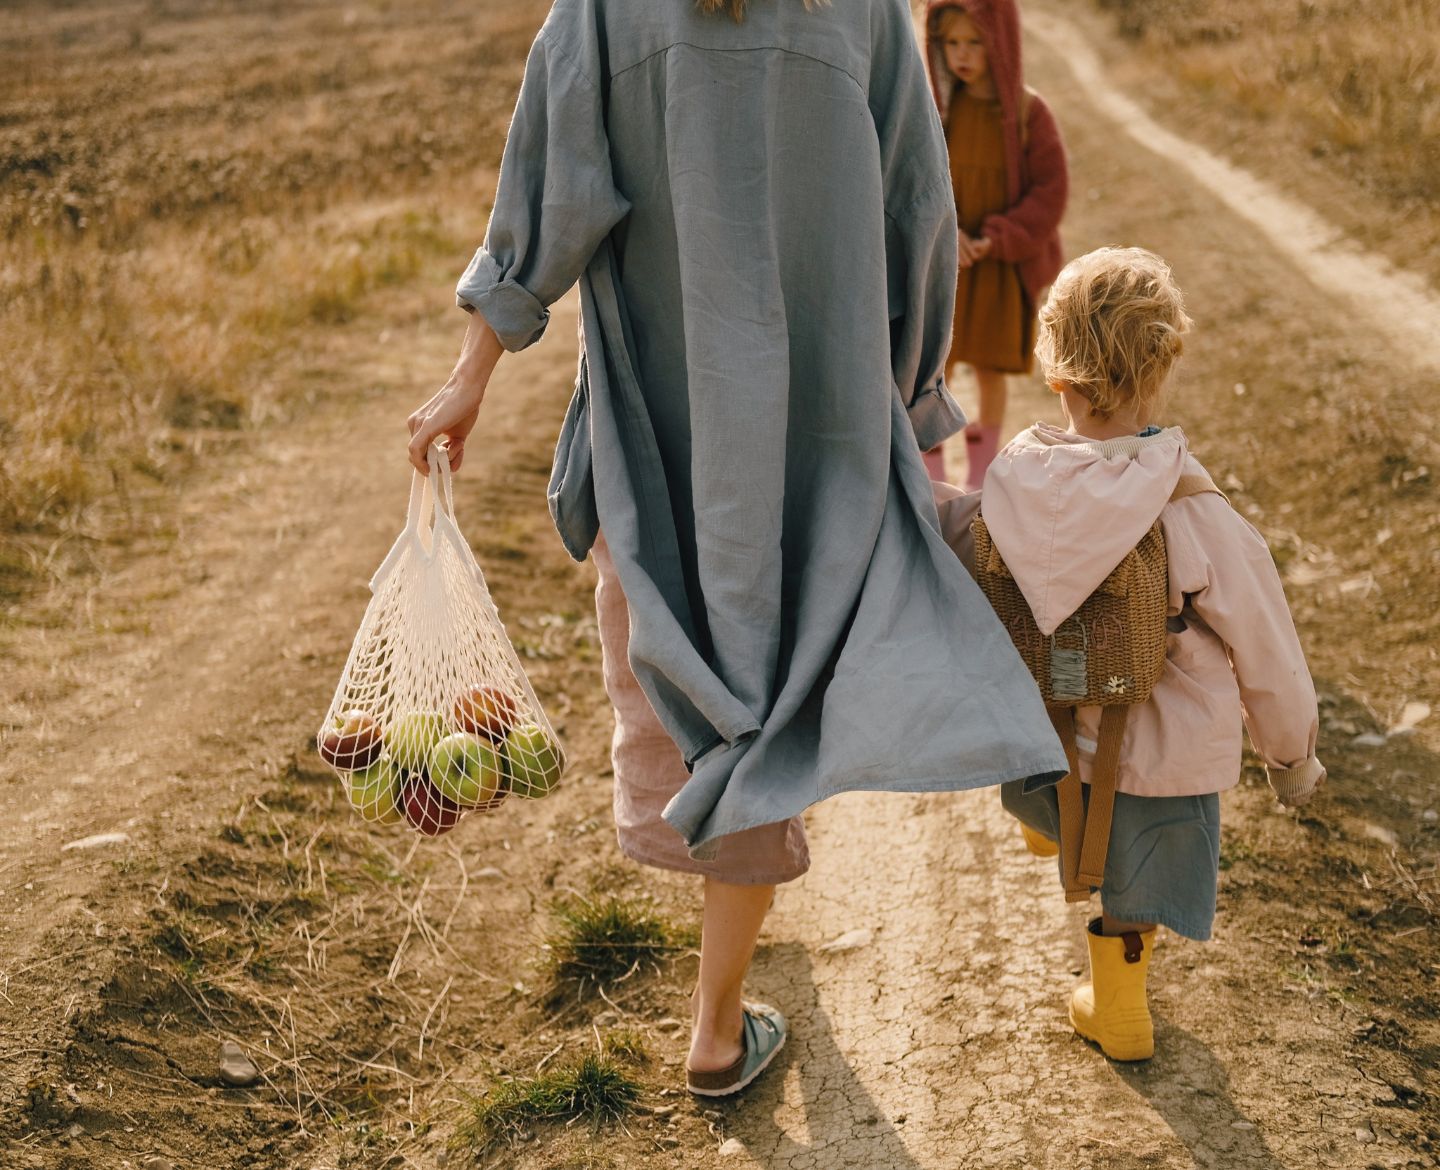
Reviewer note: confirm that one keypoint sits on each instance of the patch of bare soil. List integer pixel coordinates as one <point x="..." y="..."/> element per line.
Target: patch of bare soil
<point x="380" y="985"/>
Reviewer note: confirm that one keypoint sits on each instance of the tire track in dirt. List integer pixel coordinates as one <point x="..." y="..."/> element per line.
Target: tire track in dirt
<point x="1401" y="305"/>
<point x="941" y="1043"/>
<point x="944" y="1042"/>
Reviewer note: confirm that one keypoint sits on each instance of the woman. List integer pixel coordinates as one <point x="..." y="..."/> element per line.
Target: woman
<point x="758" y="209"/>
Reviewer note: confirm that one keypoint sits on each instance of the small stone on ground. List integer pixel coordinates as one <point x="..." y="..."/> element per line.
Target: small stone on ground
<point x="237" y="1069"/>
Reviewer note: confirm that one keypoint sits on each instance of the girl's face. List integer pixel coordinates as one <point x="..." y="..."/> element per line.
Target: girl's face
<point x="965" y="52"/>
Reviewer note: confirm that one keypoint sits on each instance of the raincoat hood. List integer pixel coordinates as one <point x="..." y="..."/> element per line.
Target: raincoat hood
<point x="998" y="22"/>
<point x="1063" y="511"/>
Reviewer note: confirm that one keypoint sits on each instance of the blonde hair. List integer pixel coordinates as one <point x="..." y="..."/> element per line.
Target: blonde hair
<point x="943" y="18"/>
<point x="736" y="8"/>
<point x="1112" y="328"/>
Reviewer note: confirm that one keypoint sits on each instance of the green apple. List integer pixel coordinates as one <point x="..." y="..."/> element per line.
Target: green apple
<point x="466" y="769"/>
<point x="532" y="761"/>
<point x="412" y="738"/>
<point x="375" y="791"/>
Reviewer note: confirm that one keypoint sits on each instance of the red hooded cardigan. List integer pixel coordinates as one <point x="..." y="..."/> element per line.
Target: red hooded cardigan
<point x="1028" y="233"/>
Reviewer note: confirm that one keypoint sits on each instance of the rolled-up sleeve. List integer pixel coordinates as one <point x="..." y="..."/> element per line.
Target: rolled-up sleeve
<point x="920" y="228"/>
<point x="556" y="199"/>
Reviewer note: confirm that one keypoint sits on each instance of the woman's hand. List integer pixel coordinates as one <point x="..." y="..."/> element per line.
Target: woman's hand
<point x="972" y="250"/>
<point x="452" y="410"/>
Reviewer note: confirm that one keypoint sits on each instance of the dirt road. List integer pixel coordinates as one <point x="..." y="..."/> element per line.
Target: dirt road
<point x="174" y="706"/>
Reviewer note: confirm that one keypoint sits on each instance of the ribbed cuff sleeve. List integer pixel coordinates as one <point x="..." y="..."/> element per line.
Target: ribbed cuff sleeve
<point x="511" y="310"/>
<point x="1295" y="786"/>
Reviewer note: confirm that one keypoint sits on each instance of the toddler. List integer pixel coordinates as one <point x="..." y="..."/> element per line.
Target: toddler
<point x="1062" y="508"/>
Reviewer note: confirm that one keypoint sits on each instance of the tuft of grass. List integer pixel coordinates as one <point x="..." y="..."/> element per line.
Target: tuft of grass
<point x="593" y="1089"/>
<point x="602" y="940"/>
<point x="1234" y="851"/>
<point x="628" y="1046"/>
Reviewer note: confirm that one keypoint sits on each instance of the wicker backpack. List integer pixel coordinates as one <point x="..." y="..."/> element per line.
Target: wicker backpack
<point x="1109" y="653"/>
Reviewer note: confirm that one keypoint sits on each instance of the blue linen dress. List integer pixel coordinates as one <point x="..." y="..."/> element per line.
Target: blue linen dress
<point x="761" y="220"/>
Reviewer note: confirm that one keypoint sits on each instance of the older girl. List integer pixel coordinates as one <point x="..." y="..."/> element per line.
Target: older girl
<point x="1011" y="182"/>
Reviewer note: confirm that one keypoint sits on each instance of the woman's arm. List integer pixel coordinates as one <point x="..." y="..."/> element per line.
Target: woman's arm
<point x="555" y="202"/>
<point x="451" y="411"/>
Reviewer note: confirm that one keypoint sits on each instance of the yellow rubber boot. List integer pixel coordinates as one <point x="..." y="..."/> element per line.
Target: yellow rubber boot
<point x="1110" y="1009"/>
<point x="1038" y="844"/>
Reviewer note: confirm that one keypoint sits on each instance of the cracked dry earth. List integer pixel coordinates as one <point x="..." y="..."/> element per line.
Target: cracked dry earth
<point x="932" y="1037"/>
<point x="943" y="1042"/>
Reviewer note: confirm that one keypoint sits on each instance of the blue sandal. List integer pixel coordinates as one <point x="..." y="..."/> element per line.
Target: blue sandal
<point x="762" y="1035"/>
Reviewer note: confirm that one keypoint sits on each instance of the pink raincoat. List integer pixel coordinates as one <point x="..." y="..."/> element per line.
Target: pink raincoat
<point x="1064" y="510"/>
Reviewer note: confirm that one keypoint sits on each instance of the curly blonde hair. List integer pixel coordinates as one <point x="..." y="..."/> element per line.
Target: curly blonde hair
<point x="1112" y="328"/>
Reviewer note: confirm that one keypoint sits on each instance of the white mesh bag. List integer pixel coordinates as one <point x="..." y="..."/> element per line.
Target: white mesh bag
<point x="433" y="716"/>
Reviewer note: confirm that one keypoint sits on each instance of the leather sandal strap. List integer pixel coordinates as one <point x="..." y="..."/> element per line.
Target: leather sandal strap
<point x="762" y="1034"/>
<point x="719" y="1079"/>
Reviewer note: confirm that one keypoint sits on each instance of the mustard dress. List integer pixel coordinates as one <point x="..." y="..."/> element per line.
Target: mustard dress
<point x="994" y="319"/>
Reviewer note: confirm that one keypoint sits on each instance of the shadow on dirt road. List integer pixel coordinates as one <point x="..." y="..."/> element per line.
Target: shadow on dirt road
<point x="1188" y="1087"/>
<point x="829" y="1117"/>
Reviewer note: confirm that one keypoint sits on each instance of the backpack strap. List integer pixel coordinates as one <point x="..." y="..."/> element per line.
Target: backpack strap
<point x="1085" y="824"/>
<point x="1071" y="798"/>
<point x="1100" y="814"/>
<point x="1195" y="483"/>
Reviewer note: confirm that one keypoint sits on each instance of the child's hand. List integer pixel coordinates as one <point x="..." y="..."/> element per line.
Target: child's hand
<point x="972" y="249"/>
<point x="1295" y="786"/>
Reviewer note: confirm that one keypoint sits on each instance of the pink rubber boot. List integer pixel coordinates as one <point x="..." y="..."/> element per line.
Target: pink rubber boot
<point x="935" y="462"/>
<point x="981" y="443"/>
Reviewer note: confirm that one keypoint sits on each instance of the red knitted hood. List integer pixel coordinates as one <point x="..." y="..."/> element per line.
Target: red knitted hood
<point x="998" y="22"/>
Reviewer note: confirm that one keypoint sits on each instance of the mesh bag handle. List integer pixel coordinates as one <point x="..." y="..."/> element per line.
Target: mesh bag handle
<point x="433" y="716"/>
<point x="422" y="518"/>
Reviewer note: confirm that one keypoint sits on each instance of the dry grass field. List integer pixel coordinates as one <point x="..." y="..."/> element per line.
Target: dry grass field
<point x="1339" y="101"/>
<point x="186" y="191"/>
<point x="228" y="231"/>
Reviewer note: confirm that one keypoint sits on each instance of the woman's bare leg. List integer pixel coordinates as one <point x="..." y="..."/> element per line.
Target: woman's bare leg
<point x="733" y="917"/>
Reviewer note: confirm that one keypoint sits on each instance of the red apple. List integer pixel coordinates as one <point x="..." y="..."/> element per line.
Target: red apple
<point x="486" y="711"/>
<point x="427" y="811"/>
<point x="351" y="742"/>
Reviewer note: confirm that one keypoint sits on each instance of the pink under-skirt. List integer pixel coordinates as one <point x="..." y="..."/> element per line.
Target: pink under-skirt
<point x="649" y="770"/>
